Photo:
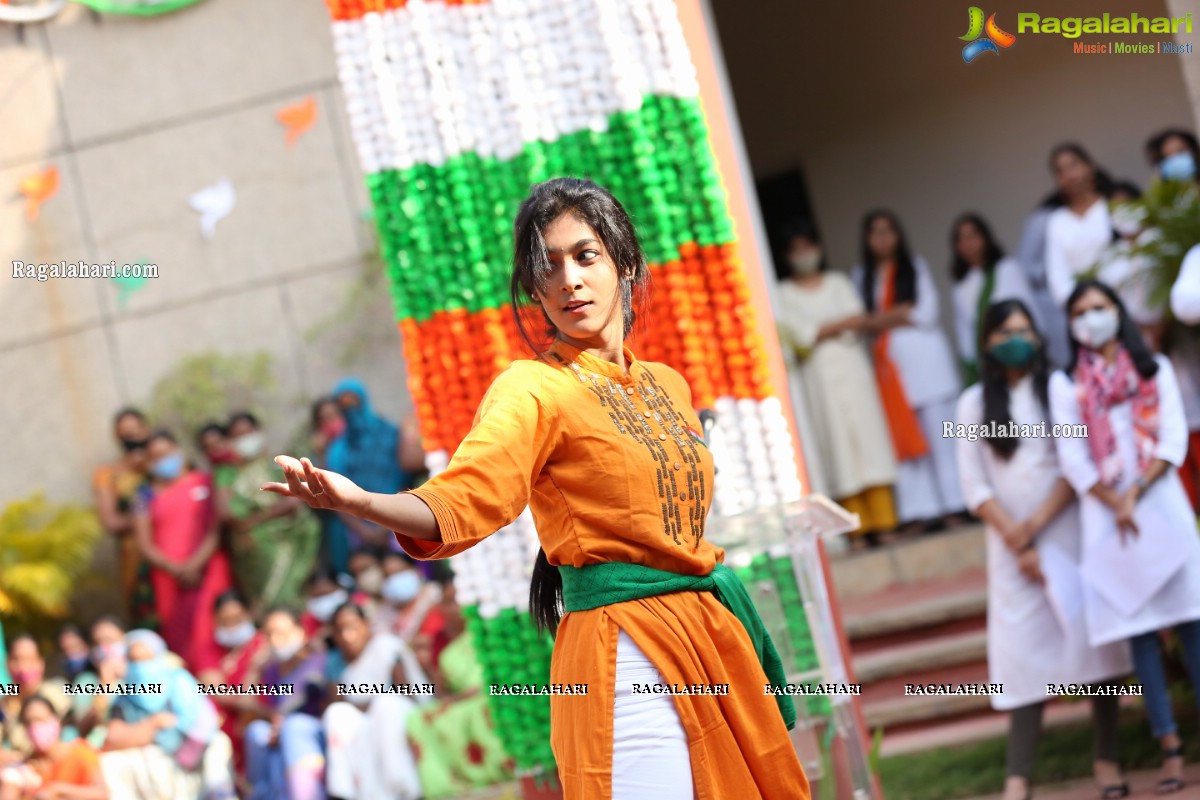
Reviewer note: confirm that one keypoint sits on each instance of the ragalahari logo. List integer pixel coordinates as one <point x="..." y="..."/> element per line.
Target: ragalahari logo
<point x="991" y="43"/>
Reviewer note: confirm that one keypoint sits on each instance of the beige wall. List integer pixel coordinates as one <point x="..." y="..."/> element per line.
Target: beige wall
<point x="137" y="114"/>
<point x="875" y="103"/>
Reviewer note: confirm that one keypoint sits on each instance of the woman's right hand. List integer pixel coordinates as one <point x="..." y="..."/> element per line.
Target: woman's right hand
<point x="319" y="488"/>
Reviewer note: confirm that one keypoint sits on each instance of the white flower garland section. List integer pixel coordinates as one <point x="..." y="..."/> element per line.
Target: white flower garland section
<point x="430" y="81"/>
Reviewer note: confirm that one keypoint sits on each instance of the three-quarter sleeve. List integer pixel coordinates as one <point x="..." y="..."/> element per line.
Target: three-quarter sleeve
<point x="972" y="471"/>
<point x="1172" y="424"/>
<point x="1074" y="458"/>
<point x="488" y="482"/>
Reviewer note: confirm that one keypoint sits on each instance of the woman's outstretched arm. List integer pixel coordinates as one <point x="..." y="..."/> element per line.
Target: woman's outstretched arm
<point x="404" y="513"/>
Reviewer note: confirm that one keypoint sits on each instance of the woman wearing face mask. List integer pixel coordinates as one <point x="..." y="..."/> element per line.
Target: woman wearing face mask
<point x="274" y="540"/>
<point x="76" y="657"/>
<point x="366" y="568"/>
<point x="1015" y="486"/>
<point x="1130" y="274"/>
<point x="411" y="606"/>
<point x="325" y="591"/>
<point x="166" y="744"/>
<point x="1174" y="154"/>
<point x="244" y="653"/>
<point x="1135" y="514"/>
<point x="821" y="322"/>
<point x="176" y="529"/>
<point x="285" y="751"/>
<point x="367" y="756"/>
<point x="982" y="276"/>
<point x="1077" y="232"/>
<point x="56" y="770"/>
<point x="914" y="370"/>
<point x="115" y="487"/>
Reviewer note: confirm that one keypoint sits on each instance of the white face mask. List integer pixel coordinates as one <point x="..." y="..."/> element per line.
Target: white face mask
<point x="402" y="587"/>
<point x="806" y="264"/>
<point x="323" y="607"/>
<point x="1095" y="328"/>
<point x="370" y="580"/>
<point x="250" y="445"/>
<point x="286" y="652"/>
<point x="1127" y="219"/>
<point x="236" y="636"/>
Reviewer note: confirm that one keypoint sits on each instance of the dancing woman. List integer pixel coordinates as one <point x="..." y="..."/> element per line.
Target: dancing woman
<point x="604" y="450"/>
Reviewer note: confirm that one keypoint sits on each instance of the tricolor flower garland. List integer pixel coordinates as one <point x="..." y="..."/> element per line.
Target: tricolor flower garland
<point x="456" y="109"/>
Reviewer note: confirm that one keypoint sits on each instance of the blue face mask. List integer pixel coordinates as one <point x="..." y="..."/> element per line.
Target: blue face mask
<point x="152" y="671"/>
<point x="1179" y="167"/>
<point x="75" y="665"/>
<point x="168" y="467"/>
<point x="401" y="587"/>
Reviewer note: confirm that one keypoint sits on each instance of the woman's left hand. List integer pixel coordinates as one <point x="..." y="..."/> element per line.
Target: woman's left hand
<point x="1030" y="564"/>
<point x="1124" y="511"/>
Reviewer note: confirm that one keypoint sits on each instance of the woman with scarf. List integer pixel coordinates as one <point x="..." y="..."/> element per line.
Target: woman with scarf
<point x="165" y="744"/>
<point x="914" y="370"/>
<point x="274" y="540"/>
<point x="373" y="453"/>
<point x="606" y="453"/>
<point x="1138" y="527"/>
<point x="1015" y="486"/>
<point x="177" y="533"/>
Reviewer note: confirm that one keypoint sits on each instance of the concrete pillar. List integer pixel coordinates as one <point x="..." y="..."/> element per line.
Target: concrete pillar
<point x="1189" y="64"/>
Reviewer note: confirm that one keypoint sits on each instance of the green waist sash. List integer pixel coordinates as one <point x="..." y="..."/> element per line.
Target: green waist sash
<point x="605" y="584"/>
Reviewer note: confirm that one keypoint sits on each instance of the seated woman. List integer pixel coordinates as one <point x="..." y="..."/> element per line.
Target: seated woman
<point x="285" y="753"/>
<point x="453" y="741"/>
<point x="366" y="758"/>
<point x="56" y="770"/>
<point x="410" y="605"/>
<point x="244" y="655"/>
<point x="165" y="745"/>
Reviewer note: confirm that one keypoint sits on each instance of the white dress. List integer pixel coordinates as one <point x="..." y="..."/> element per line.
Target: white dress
<point x="1074" y="244"/>
<point x="1130" y="276"/>
<point x="1010" y="285"/>
<point x="1179" y="599"/>
<point x="1027" y="644"/>
<point x="853" y="444"/>
<point x="926" y="487"/>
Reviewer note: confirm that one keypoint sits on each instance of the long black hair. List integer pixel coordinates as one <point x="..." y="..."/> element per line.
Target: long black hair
<point x="784" y="236"/>
<point x="906" y="273"/>
<point x="595" y="206"/>
<point x="1127" y="333"/>
<point x="992" y="252"/>
<point x="994" y="378"/>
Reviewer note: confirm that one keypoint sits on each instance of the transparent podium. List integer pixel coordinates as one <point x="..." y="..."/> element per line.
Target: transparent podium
<point x="779" y="553"/>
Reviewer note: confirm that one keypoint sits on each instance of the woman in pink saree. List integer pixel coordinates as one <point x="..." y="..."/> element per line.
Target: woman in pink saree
<point x="176" y="530"/>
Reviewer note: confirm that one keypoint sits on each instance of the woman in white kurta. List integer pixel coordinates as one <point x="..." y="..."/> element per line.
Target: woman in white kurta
<point x="820" y="323"/>
<point x="1133" y="506"/>
<point x="982" y="276"/>
<point x="1078" y="232"/>
<point x="1031" y="513"/>
<point x="902" y="304"/>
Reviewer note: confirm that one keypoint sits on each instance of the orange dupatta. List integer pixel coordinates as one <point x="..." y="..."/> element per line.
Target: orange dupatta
<point x="907" y="438"/>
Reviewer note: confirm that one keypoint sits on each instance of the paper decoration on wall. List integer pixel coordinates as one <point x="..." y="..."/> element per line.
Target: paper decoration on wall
<point x="137" y="8"/>
<point x="30" y="12"/>
<point x="127" y="287"/>
<point x="214" y="203"/>
<point x="38" y="189"/>
<point x="297" y="118"/>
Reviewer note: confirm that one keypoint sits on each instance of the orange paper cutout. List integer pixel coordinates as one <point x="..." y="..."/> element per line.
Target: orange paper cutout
<point x="297" y="118"/>
<point x="38" y="189"/>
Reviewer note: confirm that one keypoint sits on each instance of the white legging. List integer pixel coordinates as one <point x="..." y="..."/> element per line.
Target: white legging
<point x="650" y="746"/>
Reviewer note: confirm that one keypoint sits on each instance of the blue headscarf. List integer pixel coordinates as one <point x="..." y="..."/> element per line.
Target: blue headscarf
<point x="367" y="452"/>
<point x="197" y="718"/>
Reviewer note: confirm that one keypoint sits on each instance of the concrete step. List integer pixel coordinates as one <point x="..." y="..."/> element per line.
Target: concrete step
<point x="885" y="705"/>
<point x="908" y="608"/>
<point x="920" y="655"/>
<point x="914" y="561"/>
<point x="978" y="727"/>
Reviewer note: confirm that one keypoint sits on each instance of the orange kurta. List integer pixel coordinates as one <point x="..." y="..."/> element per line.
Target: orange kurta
<point x="612" y="469"/>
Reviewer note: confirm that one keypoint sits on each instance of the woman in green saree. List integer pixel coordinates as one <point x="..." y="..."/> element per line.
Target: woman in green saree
<point x="274" y="539"/>
<point x="452" y="739"/>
